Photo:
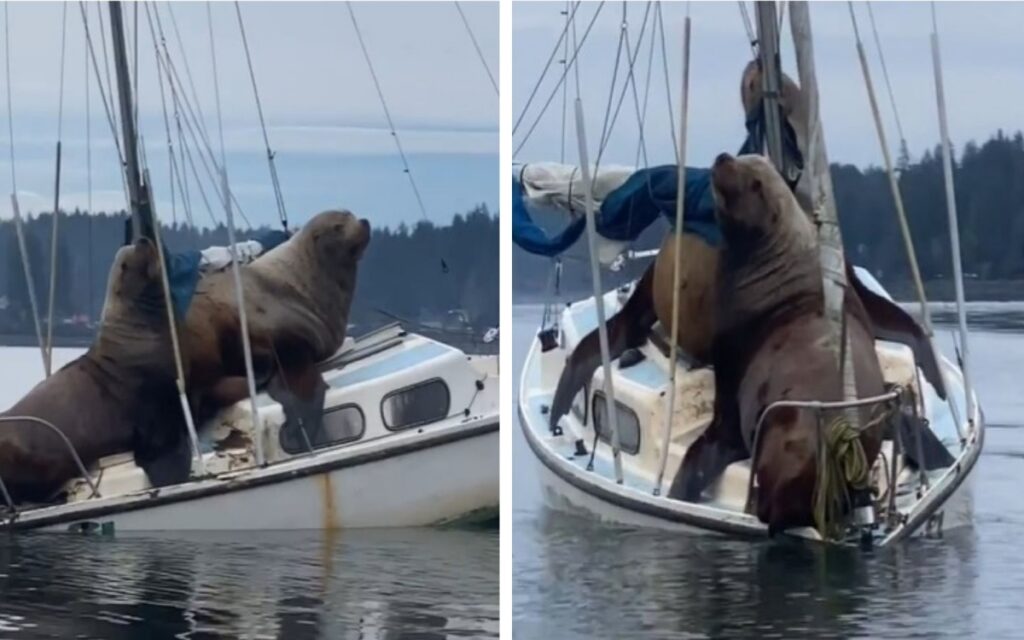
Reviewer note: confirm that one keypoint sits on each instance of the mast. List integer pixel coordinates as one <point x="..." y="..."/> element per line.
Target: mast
<point x="141" y="211"/>
<point x="771" y="73"/>
<point x="819" y="189"/>
<point x="143" y="221"/>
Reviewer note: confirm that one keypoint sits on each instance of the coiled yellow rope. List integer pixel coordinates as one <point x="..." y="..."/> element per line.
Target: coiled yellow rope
<point x="842" y="467"/>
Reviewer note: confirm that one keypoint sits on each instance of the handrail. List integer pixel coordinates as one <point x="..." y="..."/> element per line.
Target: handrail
<point x="71" y="448"/>
<point x="817" y="406"/>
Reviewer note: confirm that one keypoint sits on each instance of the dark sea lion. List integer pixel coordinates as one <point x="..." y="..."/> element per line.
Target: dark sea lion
<point x="297" y="299"/>
<point x="652" y="299"/>
<point x="771" y="344"/>
<point x="120" y="396"/>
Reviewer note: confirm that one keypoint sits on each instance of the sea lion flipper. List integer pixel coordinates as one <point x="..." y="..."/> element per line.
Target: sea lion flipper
<point x="159" y="443"/>
<point x="935" y="454"/>
<point x="167" y="466"/>
<point x="890" y="322"/>
<point x="301" y="391"/>
<point x="705" y="460"/>
<point x="627" y="328"/>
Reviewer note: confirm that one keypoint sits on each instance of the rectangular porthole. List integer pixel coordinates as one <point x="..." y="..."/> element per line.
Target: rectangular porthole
<point x="416" y="405"/>
<point x="629" y="424"/>
<point x="342" y="424"/>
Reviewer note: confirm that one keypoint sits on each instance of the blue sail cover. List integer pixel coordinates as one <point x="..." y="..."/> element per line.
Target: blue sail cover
<point x="183" y="272"/>
<point x="626" y="211"/>
<point x="648" y="193"/>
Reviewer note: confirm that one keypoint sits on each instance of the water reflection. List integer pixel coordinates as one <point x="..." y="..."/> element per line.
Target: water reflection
<point x="379" y="585"/>
<point x="576" y="578"/>
<point x="588" y="580"/>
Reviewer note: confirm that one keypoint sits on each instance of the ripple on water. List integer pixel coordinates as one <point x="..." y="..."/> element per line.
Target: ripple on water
<point x="364" y="584"/>
<point x="574" y="578"/>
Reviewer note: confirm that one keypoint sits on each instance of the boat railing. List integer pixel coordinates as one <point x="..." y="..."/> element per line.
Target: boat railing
<point x="892" y="397"/>
<point x="71" y="448"/>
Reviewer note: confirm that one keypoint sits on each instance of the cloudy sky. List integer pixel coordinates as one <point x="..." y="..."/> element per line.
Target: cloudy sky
<point x="981" y="54"/>
<point x="324" y="118"/>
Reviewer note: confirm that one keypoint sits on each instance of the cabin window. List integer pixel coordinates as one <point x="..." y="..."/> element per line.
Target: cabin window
<point x="416" y="405"/>
<point x="341" y="424"/>
<point x="628" y="422"/>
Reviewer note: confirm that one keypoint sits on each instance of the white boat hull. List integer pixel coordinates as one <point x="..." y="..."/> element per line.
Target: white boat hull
<point x="430" y="485"/>
<point x="386" y="455"/>
<point x="576" y="468"/>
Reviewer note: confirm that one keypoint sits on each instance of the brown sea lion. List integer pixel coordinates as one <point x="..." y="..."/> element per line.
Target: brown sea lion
<point x="297" y="299"/>
<point x="119" y="396"/>
<point x="652" y="299"/>
<point x="771" y="344"/>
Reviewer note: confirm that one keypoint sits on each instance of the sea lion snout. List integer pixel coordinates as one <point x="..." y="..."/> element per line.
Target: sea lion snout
<point x="725" y="176"/>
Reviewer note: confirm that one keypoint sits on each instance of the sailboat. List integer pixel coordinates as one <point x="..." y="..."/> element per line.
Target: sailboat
<point x="409" y="438"/>
<point x="614" y="455"/>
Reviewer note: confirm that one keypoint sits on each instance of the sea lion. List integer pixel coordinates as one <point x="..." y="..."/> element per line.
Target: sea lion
<point x="297" y="299"/>
<point x="771" y="344"/>
<point x="652" y="299"/>
<point x="119" y="396"/>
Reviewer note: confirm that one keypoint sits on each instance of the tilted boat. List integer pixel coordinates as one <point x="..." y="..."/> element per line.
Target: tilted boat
<point x="410" y="438"/>
<point x="614" y="455"/>
<point x="576" y="459"/>
<point x="409" y="435"/>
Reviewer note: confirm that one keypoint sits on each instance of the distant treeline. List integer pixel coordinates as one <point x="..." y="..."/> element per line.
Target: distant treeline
<point x="989" y="182"/>
<point x="418" y="273"/>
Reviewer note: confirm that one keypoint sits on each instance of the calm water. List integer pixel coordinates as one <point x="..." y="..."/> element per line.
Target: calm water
<point x="417" y="583"/>
<point x="574" y="578"/>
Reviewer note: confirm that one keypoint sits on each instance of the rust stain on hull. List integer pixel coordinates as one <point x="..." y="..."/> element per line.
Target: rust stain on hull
<point x="328" y="508"/>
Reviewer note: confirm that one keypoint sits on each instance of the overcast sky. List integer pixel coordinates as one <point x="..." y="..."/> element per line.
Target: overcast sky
<point x="324" y="118"/>
<point x="981" y="52"/>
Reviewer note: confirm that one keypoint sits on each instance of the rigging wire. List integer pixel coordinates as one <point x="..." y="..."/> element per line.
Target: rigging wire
<point x="629" y="82"/>
<point x="748" y="26"/>
<point x="163" y="62"/>
<point x="476" y="46"/>
<point x="603" y="140"/>
<point x="885" y="76"/>
<point x="188" y="71"/>
<point x="668" y="84"/>
<point x="558" y="85"/>
<point x="216" y="86"/>
<point x="88" y="176"/>
<point x="647" y="94"/>
<point x="547" y="65"/>
<point x="48" y="369"/>
<point x="192" y="122"/>
<point x="263" y="125"/>
<point x="106" y="66"/>
<point x="565" y="85"/>
<point x="171" y="164"/>
<point x="387" y="114"/>
<point x="19" y="229"/>
<point x="107" y="108"/>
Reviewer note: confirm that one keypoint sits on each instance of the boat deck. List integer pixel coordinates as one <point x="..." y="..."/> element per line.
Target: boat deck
<point x="578" y="455"/>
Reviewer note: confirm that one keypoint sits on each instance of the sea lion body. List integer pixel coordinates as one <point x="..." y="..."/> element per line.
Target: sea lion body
<point x="696" y="295"/>
<point x="297" y="299"/>
<point x="119" y="396"/>
<point x="772" y="343"/>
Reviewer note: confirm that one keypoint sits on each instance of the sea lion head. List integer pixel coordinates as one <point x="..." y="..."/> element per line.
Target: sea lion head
<point x="134" y="283"/>
<point x="750" y="196"/>
<point x="338" y="238"/>
<point x="752" y="90"/>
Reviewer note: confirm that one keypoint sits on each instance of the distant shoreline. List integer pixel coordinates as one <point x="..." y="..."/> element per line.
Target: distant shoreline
<point x="940" y="291"/>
